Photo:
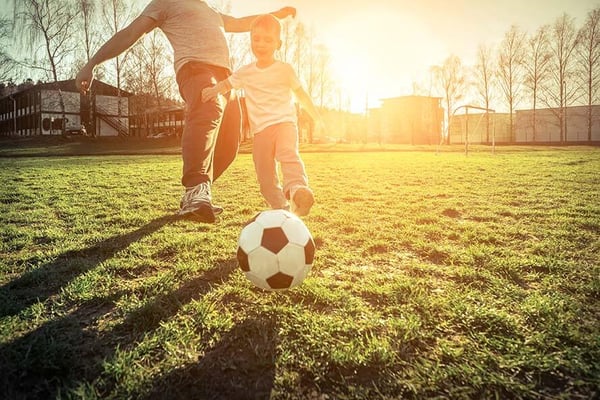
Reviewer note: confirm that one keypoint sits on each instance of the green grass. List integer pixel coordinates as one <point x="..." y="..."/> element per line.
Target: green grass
<point x="435" y="276"/>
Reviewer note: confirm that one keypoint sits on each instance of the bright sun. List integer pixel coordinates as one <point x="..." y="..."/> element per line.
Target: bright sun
<point x="353" y="77"/>
<point x="355" y="42"/>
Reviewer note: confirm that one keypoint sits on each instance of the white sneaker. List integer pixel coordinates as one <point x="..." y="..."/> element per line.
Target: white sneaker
<point x="301" y="200"/>
<point x="197" y="203"/>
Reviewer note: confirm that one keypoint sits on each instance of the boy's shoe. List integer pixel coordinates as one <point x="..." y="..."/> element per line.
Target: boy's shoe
<point x="301" y="200"/>
<point x="196" y="203"/>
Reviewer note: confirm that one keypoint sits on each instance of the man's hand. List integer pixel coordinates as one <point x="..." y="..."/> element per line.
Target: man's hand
<point x="84" y="79"/>
<point x="209" y="93"/>
<point x="285" y="12"/>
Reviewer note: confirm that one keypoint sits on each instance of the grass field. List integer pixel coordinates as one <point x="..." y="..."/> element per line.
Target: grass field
<point x="435" y="276"/>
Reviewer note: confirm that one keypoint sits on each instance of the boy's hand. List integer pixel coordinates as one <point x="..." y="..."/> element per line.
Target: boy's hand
<point x="285" y="12"/>
<point x="209" y="93"/>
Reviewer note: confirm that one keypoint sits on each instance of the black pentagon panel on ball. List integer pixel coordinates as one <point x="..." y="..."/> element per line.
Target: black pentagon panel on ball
<point x="280" y="281"/>
<point x="274" y="239"/>
<point x="309" y="251"/>
<point x="243" y="260"/>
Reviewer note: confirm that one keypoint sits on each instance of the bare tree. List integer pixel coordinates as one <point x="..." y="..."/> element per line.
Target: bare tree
<point x="589" y="60"/>
<point x="302" y="55"/>
<point x="149" y="75"/>
<point x="484" y="81"/>
<point x="157" y="65"/>
<point x="239" y="49"/>
<point x="49" y="27"/>
<point x="87" y="12"/>
<point x="325" y="84"/>
<point x="136" y="81"/>
<point x="511" y="57"/>
<point x="305" y="58"/>
<point x="49" y="24"/>
<point x="451" y="79"/>
<point x="89" y="35"/>
<point x="536" y="68"/>
<point x="300" y="47"/>
<point x="6" y="61"/>
<point x="288" y="29"/>
<point x="559" y="93"/>
<point x="117" y="14"/>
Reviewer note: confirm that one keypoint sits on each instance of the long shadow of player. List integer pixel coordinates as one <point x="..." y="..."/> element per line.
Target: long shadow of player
<point x="66" y="351"/>
<point x="240" y="366"/>
<point x="40" y="283"/>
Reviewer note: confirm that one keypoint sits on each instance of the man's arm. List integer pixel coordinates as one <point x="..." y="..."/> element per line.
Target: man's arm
<point x="116" y="45"/>
<point x="243" y="24"/>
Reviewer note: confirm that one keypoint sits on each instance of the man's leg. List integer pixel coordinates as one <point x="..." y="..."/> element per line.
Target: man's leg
<point x="202" y="123"/>
<point x="200" y="131"/>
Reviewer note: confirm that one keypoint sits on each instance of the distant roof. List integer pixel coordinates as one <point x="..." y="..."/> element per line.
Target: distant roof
<point x="98" y="87"/>
<point x="409" y="97"/>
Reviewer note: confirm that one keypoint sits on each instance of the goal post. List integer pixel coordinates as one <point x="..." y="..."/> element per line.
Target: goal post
<point x="487" y="111"/>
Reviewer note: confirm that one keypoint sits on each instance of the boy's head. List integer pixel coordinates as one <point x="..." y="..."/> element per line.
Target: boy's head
<point x="265" y="35"/>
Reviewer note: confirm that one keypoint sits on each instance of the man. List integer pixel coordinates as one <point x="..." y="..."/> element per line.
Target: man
<point x="201" y="58"/>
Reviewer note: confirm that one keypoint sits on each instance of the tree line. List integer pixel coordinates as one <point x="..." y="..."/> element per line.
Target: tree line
<point x="62" y="35"/>
<point x="554" y="67"/>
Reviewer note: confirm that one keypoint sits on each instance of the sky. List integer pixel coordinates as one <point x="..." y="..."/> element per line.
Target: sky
<point x="379" y="47"/>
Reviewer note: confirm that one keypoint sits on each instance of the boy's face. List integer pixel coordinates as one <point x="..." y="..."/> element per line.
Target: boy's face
<point x="265" y="42"/>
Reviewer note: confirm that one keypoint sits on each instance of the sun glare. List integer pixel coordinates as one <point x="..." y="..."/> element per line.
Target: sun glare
<point x="356" y="41"/>
<point x="352" y="76"/>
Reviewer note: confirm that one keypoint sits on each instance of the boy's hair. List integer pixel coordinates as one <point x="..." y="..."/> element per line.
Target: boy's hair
<point x="267" y="21"/>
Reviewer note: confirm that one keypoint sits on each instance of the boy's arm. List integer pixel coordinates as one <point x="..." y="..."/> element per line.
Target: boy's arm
<point x="243" y="24"/>
<point x="116" y="45"/>
<point x="211" y="92"/>
<point x="307" y="103"/>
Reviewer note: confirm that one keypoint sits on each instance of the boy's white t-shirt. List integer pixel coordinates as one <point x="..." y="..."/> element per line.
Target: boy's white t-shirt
<point x="268" y="92"/>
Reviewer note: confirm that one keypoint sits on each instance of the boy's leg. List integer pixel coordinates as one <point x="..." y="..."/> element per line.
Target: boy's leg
<point x="295" y="181"/>
<point x="263" y="154"/>
<point x="200" y="132"/>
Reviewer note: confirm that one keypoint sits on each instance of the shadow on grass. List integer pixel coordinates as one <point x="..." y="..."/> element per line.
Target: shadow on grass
<point x="47" y="280"/>
<point x="69" y="350"/>
<point x="240" y="366"/>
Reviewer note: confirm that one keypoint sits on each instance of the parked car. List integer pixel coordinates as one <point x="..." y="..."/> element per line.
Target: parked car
<point x="160" y="135"/>
<point x="74" y="131"/>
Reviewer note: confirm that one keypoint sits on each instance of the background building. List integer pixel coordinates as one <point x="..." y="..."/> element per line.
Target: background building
<point x="548" y="126"/>
<point x="156" y="121"/>
<point x="56" y="108"/>
<point x="407" y="120"/>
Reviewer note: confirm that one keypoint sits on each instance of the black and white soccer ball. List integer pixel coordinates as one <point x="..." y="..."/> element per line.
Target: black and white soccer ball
<point x="275" y="250"/>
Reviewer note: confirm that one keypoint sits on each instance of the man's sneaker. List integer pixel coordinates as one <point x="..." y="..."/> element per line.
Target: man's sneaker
<point x="301" y="201"/>
<point x="196" y="203"/>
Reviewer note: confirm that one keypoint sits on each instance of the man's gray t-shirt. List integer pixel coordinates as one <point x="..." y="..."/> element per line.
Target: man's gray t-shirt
<point x="195" y="30"/>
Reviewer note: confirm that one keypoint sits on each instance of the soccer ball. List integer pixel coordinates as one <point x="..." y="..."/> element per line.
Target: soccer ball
<point x="275" y="250"/>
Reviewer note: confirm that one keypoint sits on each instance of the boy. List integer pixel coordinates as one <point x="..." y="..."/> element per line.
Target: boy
<point x="269" y="86"/>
